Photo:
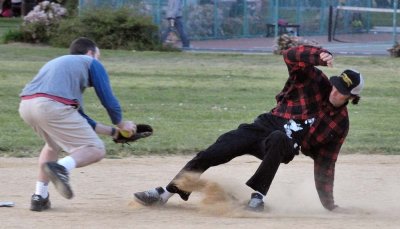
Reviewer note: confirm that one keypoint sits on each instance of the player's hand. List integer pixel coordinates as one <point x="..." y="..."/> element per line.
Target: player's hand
<point x="342" y="210"/>
<point x="350" y="211"/>
<point x="327" y="57"/>
<point x="128" y="127"/>
<point x="142" y="131"/>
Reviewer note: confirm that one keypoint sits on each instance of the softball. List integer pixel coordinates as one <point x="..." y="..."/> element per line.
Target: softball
<point x="125" y="133"/>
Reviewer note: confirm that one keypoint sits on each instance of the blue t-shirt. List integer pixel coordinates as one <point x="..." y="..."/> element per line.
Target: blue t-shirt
<point x="68" y="76"/>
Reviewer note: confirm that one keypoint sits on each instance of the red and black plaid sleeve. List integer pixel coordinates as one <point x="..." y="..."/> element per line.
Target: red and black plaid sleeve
<point x="324" y="141"/>
<point x="307" y="86"/>
<point x="300" y="57"/>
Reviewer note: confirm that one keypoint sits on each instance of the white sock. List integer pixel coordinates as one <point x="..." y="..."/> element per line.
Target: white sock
<point x="42" y="189"/>
<point x="166" y="195"/>
<point x="68" y="162"/>
<point x="261" y="194"/>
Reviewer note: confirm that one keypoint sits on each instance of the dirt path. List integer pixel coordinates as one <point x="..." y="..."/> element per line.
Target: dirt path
<point x="368" y="185"/>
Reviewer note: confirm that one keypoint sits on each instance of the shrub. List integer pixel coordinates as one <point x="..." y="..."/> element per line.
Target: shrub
<point x="199" y="22"/>
<point x="12" y="35"/>
<point x="119" y="29"/>
<point x="395" y="50"/>
<point x="71" y="6"/>
<point x="232" y="26"/>
<point x="40" y="22"/>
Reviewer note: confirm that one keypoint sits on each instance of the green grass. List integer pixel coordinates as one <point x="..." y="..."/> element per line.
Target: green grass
<point x="7" y="24"/>
<point x="190" y="99"/>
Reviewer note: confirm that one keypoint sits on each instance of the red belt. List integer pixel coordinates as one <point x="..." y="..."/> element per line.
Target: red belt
<point x="53" y="97"/>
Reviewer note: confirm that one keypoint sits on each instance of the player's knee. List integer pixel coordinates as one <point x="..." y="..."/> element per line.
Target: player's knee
<point x="101" y="153"/>
<point x="287" y="156"/>
<point x="278" y="136"/>
<point x="282" y="145"/>
<point x="96" y="153"/>
<point x="42" y="162"/>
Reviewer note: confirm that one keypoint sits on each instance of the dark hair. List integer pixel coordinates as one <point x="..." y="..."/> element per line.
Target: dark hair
<point x="355" y="99"/>
<point x="81" y="46"/>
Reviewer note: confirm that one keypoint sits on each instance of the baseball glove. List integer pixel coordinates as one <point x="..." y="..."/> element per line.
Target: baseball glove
<point x="142" y="131"/>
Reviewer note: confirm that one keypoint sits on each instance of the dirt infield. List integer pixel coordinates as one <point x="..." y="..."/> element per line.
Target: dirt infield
<point x="367" y="185"/>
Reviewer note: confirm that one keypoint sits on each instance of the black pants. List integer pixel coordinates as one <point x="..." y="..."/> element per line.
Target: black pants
<point x="16" y="9"/>
<point x="265" y="139"/>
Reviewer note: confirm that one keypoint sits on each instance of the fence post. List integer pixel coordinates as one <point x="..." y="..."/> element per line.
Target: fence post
<point x="276" y="17"/>
<point x="157" y="13"/>
<point x="395" y="22"/>
<point x="368" y="20"/>
<point x="80" y="5"/>
<point x="245" y="19"/>
<point x="299" y="12"/>
<point x="215" y="27"/>
<point x="330" y="23"/>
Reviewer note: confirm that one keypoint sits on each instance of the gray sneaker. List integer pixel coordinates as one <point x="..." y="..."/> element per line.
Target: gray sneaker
<point x="58" y="174"/>
<point x="151" y="197"/>
<point x="256" y="203"/>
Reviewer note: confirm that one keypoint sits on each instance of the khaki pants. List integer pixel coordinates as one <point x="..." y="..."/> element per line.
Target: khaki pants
<point x="59" y="125"/>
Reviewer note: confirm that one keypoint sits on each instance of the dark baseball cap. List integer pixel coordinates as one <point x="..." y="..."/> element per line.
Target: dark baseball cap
<point x="350" y="82"/>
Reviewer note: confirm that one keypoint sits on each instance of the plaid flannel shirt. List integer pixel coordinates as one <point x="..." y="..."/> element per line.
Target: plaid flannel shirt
<point x="306" y="95"/>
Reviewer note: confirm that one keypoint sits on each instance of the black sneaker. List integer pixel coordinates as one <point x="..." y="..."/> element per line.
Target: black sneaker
<point x="151" y="197"/>
<point x="256" y="203"/>
<point x="39" y="204"/>
<point x="59" y="176"/>
<point x="172" y="188"/>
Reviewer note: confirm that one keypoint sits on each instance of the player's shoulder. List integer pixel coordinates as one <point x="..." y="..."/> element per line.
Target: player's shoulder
<point x="70" y="57"/>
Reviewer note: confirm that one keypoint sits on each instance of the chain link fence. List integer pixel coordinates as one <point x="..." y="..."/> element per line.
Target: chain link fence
<point x="222" y="19"/>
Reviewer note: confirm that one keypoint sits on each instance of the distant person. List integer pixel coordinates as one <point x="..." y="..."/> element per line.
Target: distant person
<point x="6" y="10"/>
<point x="52" y="104"/>
<point x="310" y="116"/>
<point x="1" y="5"/>
<point x="174" y="17"/>
<point x="16" y="7"/>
